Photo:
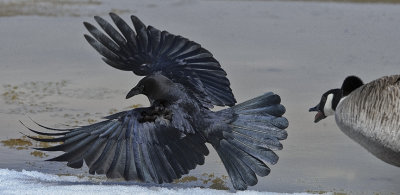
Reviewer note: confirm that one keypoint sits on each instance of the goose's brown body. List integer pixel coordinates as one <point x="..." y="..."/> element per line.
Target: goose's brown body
<point x="370" y="115"/>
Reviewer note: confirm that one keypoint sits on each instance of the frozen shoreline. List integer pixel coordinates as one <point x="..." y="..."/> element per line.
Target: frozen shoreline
<point x="33" y="182"/>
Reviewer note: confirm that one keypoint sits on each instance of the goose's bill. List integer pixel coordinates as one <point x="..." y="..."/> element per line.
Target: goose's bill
<point x="314" y="109"/>
<point x="319" y="116"/>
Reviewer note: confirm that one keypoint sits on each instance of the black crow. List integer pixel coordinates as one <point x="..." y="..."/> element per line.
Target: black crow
<point x="160" y="143"/>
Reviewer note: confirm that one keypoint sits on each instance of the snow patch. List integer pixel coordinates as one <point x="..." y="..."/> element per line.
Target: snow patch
<point x="33" y="182"/>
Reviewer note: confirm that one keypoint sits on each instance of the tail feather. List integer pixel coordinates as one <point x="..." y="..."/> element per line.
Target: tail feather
<point x="265" y="100"/>
<point x="230" y="161"/>
<point x="263" y="120"/>
<point x="255" y="151"/>
<point x="274" y="110"/>
<point x="254" y="129"/>
<point x="254" y="164"/>
<point x="259" y="129"/>
<point x="269" y="143"/>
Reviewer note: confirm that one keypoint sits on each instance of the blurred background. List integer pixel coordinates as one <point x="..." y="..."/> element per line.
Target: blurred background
<point x="297" y="49"/>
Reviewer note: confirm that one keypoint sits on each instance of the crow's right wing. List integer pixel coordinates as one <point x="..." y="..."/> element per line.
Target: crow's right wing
<point x="149" y="50"/>
<point x="124" y="146"/>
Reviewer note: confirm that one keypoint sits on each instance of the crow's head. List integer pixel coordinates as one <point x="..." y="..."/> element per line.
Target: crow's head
<point x="154" y="86"/>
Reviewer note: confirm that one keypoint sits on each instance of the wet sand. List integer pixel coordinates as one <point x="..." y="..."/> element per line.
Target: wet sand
<point x="295" y="49"/>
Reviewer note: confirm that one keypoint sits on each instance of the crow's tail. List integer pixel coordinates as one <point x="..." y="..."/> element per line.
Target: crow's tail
<point x="254" y="130"/>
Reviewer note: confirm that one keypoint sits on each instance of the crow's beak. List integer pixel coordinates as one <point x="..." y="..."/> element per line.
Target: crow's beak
<point x="134" y="91"/>
<point x="319" y="116"/>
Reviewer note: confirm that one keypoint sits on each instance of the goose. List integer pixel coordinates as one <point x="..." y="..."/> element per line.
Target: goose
<point x="367" y="113"/>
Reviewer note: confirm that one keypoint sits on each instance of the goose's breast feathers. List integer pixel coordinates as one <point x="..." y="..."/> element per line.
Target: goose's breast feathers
<point x="373" y="110"/>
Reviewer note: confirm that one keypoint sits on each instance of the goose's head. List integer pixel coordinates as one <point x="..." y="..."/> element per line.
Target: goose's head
<point x="327" y="105"/>
<point x="330" y="99"/>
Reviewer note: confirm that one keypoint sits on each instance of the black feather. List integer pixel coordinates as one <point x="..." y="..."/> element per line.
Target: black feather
<point x="127" y="31"/>
<point x="102" y="38"/>
<point x="110" y="30"/>
<point x="104" y="51"/>
<point x="142" y="37"/>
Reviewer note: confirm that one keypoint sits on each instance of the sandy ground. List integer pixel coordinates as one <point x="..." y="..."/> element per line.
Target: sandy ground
<point x="296" y="49"/>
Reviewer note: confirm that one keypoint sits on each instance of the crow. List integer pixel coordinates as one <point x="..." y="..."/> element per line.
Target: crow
<point x="160" y="143"/>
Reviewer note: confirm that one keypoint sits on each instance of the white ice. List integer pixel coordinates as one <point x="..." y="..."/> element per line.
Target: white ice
<point x="33" y="182"/>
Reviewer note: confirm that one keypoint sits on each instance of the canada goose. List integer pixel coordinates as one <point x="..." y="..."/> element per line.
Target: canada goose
<point x="369" y="114"/>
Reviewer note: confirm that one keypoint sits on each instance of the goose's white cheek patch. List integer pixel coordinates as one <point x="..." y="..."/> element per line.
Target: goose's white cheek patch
<point x="328" y="106"/>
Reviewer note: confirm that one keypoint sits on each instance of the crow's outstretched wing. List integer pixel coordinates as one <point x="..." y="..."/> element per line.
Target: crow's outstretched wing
<point x="148" y="50"/>
<point x="122" y="146"/>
